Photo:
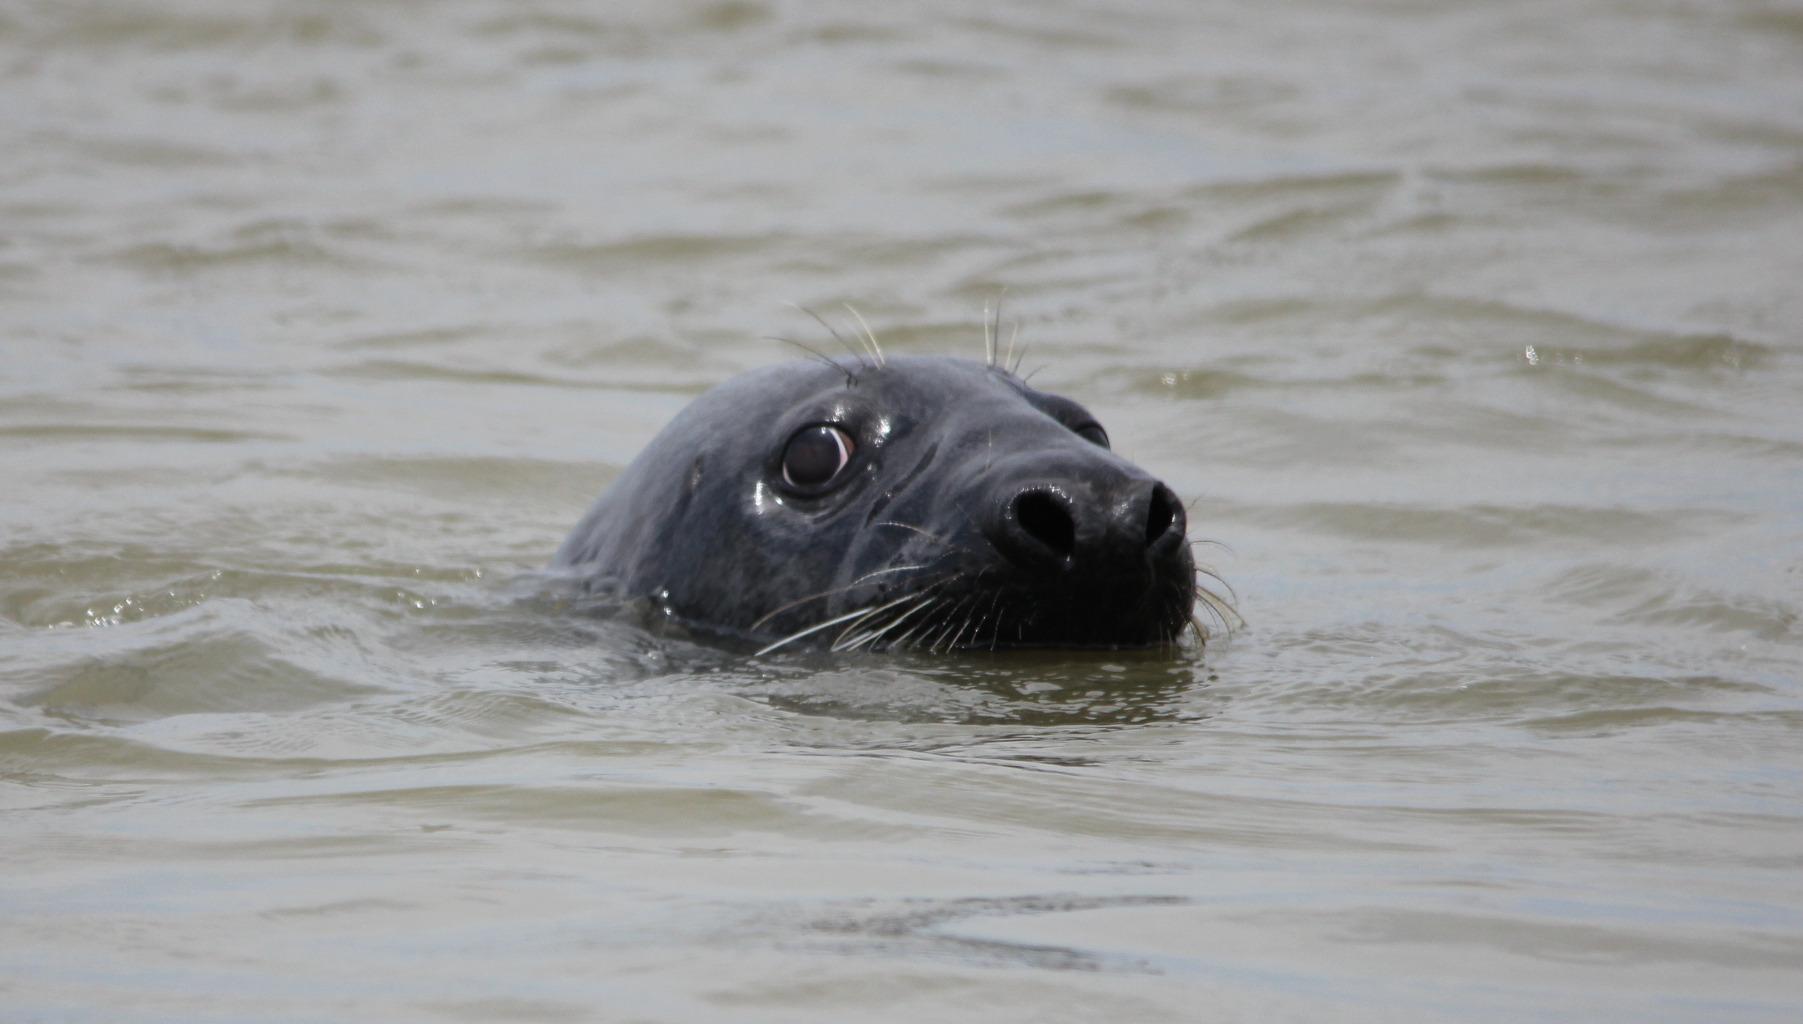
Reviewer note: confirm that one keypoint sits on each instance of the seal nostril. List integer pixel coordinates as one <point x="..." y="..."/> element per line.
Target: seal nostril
<point x="1046" y="520"/>
<point x="1161" y="512"/>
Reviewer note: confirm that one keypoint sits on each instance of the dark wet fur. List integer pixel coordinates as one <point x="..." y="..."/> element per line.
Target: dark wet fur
<point x="921" y="546"/>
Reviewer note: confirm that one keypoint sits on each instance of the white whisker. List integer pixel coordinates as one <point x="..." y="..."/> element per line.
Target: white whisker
<point x="884" y="572"/>
<point x="924" y="533"/>
<point x="871" y="636"/>
<point x="811" y="630"/>
<point x="830" y="329"/>
<point x="989" y="339"/>
<point x="875" y="347"/>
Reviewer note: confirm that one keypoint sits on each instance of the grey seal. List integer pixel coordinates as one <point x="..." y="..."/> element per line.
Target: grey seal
<point x="926" y="502"/>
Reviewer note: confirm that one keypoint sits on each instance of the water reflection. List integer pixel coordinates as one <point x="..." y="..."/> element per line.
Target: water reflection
<point x="1039" y="688"/>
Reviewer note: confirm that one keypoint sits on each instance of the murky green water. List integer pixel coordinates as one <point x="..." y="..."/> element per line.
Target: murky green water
<point x="1473" y="331"/>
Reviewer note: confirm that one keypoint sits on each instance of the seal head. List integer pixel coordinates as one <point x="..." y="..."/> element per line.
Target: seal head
<point x="926" y="502"/>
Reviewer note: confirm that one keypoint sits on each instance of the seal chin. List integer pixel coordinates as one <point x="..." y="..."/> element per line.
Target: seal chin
<point x="920" y="504"/>
<point x="1008" y="617"/>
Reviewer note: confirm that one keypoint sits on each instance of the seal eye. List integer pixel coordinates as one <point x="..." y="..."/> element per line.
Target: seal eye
<point x="815" y="455"/>
<point x="1093" y="433"/>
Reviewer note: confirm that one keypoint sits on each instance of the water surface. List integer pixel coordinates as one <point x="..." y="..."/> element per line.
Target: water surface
<point x="1470" y="330"/>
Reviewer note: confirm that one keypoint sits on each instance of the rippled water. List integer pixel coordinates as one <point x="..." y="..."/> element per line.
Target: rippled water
<point x="1472" y="330"/>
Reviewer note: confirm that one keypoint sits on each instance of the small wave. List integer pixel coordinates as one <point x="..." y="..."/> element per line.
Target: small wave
<point x="640" y="252"/>
<point x="1471" y="526"/>
<point x="182" y="668"/>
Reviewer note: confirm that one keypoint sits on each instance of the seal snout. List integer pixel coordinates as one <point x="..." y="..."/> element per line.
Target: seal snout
<point x="1113" y="531"/>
